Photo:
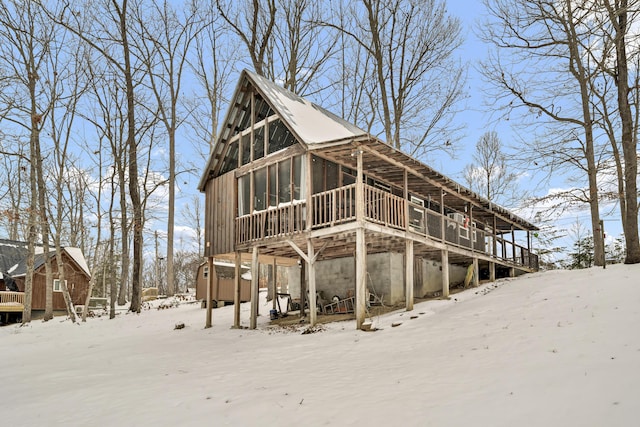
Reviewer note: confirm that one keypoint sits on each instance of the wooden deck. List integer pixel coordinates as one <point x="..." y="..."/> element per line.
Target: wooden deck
<point x="11" y="302"/>
<point x="336" y="210"/>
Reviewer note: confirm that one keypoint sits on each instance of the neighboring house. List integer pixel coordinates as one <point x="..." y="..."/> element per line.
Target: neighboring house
<point x="222" y="283"/>
<point x="13" y="263"/>
<point x="288" y="180"/>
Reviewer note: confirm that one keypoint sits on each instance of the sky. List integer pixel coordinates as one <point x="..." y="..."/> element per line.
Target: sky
<point x="545" y="349"/>
<point x="474" y="115"/>
<point x="479" y="119"/>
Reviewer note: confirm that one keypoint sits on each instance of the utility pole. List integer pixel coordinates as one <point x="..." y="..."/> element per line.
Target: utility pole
<point x="604" y="247"/>
<point x="156" y="260"/>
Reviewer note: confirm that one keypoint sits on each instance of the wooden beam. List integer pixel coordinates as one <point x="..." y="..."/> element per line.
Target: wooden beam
<point x="303" y="287"/>
<point x="313" y="315"/>
<point x="444" y="260"/>
<point x="255" y="284"/>
<point x="442" y="224"/>
<point x="274" y="275"/>
<point x="210" y="274"/>
<point x="298" y="250"/>
<point x="309" y="190"/>
<point x="408" y="274"/>
<point x="476" y="273"/>
<point x="359" y="190"/>
<point x="361" y="277"/>
<point x="237" y="291"/>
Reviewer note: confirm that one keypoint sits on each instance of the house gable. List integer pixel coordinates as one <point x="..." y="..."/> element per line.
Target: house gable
<point x="264" y="119"/>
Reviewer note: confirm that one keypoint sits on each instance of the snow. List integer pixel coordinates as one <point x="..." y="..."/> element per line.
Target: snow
<point x="313" y="124"/>
<point x="550" y="348"/>
<point x="78" y="256"/>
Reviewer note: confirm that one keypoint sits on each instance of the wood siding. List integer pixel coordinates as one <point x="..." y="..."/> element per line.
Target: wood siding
<point x="220" y="215"/>
<point x="77" y="282"/>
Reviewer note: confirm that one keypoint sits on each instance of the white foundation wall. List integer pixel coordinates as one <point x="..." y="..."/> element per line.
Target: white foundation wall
<point x="385" y="277"/>
<point x="432" y="278"/>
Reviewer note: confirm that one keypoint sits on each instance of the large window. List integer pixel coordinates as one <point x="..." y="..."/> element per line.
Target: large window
<point x="284" y="181"/>
<point x="326" y="175"/>
<point x="273" y="185"/>
<point x="244" y="195"/>
<point x="245" y="143"/>
<point x="262" y="109"/>
<point x="260" y="189"/>
<point x="258" y="143"/>
<point x="231" y="159"/>
<point x="279" y="136"/>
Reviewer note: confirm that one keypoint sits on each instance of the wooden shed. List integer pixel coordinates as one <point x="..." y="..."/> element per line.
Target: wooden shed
<point x="222" y="283"/>
<point x="288" y="179"/>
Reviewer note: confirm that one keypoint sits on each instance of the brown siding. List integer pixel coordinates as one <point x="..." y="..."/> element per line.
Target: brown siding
<point x="223" y="288"/>
<point x="220" y="215"/>
<point x="77" y="281"/>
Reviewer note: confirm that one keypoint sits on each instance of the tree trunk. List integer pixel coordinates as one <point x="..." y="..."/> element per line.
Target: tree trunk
<point x="134" y="190"/>
<point x="618" y="17"/>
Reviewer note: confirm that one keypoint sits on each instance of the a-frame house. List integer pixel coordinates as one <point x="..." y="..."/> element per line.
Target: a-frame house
<point x="288" y="180"/>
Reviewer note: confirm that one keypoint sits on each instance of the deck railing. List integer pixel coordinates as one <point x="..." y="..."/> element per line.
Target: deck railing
<point x="11" y="301"/>
<point x="337" y="206"/>
<point x="273" y="222"/>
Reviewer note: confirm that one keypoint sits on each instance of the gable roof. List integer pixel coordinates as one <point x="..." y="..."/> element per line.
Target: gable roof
<point x="310" y="123"/>
<point x="13" y="257"/>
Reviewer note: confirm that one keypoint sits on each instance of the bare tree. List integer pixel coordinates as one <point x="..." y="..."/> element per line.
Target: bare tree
<point x="12" y="193"/>
<point x="254" y="22"/>
<point x="28" y="40"/>
<point x="104" y="27"/>
<point x="212" y="65"/>
<point x="619" y="13"/>
<point x="192" y="215"/>
<point x="550" y="85"/>
<point x="164" y="41"/>
<point x="489" y="175"/>
<point x="418" y="83"/>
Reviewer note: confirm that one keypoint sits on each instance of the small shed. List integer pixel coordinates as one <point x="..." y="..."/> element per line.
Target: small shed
<point x="223" y="284"/>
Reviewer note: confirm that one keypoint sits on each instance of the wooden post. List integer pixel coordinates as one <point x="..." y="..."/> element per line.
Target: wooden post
<point x="303" y="288"/>
<point x="359" y="191"/>
<point x="210" y="274"/>
<point x="361" y="277"/>
<point x="313" y="315"/>
<point x="444" y="259"/>
<point x="255" y="283"/>
<point x="308" y="180"/>
<point x="237" y="291"/>
<point x="442" y="225"/>
<point x="406" y="201"/>
<point x="495" y="238"/>
<point x="470" y="229"/>
<point x="408" y="274"/>
<point x="361" y="249"/>
<point x="492" y="271"/>
<point x="476" y="273"/>
<point x="513" y="243"/>
<point x="275" y="284"/>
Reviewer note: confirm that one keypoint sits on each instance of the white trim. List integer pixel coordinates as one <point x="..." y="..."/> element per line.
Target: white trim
<point x="56" y="285"/>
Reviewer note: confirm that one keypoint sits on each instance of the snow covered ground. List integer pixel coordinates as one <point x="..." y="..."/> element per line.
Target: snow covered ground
<point x="548" y="349"/>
